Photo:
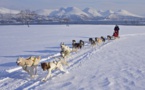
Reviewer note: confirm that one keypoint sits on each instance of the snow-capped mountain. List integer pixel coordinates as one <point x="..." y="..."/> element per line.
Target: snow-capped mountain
<point x="122" y="14"/>
<point x="8" y="11"/>
<point x="74" y="13"/>
<point x="92" y="12"/>
<point x="106" y="13"/>
<point x="68" y="14"/>
<point x="125" y="13"/>
<point x="45" y="12"/>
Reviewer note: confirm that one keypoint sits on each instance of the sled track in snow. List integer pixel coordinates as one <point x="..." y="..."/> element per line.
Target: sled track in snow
<point x="21" y="80"/>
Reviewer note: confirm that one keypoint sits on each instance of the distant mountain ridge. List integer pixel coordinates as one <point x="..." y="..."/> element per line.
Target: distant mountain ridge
<point x="88" y="12"/>
<point x="73" y="11"/>
<point x="67" y="14"/>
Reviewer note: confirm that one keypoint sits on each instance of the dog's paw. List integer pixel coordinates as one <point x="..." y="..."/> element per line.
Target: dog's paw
<point x="43" y="80"/>
<point x="36" y="76"/>
<point x="32" y="77"/>
<point x="66" y="72"/>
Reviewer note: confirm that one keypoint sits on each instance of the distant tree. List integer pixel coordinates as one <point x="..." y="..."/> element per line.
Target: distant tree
<point x="27" y="16"/>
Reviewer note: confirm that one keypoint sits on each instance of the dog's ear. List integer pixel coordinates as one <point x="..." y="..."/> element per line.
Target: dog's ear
<point x="42" y="64"/>
<point x="45" y="66"/>
<point x="39" y="57"/>
<point x="61" y="43"/>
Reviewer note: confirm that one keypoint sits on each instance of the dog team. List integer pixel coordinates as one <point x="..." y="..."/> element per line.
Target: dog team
<point x="31" y="63"/>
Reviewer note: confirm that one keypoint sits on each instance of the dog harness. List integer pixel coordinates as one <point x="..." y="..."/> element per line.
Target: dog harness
<point x="33" y="61"/>
<point x="31" y="65"/>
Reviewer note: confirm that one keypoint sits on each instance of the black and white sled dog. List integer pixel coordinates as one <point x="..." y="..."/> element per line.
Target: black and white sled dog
<point x="110" y="37"/>
<point x="50" y="66"/>
<point x="77" y="45"/>
<point x="93" y="43"/>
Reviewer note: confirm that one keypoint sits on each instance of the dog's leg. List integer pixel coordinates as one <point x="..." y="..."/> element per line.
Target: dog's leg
<point x="65" y="62"/>
<point x="98" y="43"/>
<point x="35" y="69"/>
<point x="48" y="75"/>
<point x="61" y="69"/>
<point x="28" y="70"/>
<point x="32" y="71"/>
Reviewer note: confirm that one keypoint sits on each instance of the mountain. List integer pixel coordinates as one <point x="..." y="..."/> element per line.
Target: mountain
<point x="106" y="13"/>
<point x="44" y="12"/>
<point x="8" y="11"/>
<point x="69" y="14"/>
<point x="92" y="12"/>
<point x="74" y="13"/>
<point x="125" y="13"/>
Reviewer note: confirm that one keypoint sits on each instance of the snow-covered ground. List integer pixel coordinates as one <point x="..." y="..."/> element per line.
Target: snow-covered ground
<point x="113" y="65"/>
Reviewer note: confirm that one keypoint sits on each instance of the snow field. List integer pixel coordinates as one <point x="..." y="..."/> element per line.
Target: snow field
<point x="114" y="65"/>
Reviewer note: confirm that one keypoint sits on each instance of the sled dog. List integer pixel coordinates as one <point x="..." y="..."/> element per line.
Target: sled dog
<point x="90" y="40"/>
<point x="82" y="43"/>
<point x="77" y="45"/>
<point x="49" y="66"/>
<point x="98" y="40"/>
<point x="65" y="50"/>
<point x="29" y="64"/>
<point x="103" y="39"/>
<point x="93" y="43"/>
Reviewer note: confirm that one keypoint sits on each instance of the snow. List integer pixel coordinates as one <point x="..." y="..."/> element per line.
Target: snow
<point x="45" y="12"/>
<point x="92" y="12"/>
<point x="68" y="11"/>
<point x="114" y="65"/>
<point x="107" y="13"/>
<point x="125" y="13"/>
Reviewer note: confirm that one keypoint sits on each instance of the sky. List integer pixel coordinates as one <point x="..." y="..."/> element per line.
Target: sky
<point x="134" y="6"/>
